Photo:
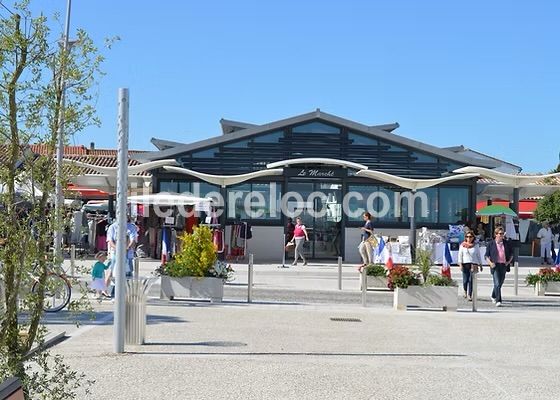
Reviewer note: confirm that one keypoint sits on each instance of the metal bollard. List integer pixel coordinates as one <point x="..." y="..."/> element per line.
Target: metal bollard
<point x="364" y="287"/>
<point x="72" y="259"/>
<point x="283" y="252"/>
<point x="516" y="278"/>
<point x="474" y="277"/>
<point x="136" y="271"/>
<point x="250" y="280"/>
<point x="339" y="273"/>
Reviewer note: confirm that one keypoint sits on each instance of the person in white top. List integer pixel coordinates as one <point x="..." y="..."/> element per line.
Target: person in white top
<point x="469" y="262"/>
<point x="545" y="235"/>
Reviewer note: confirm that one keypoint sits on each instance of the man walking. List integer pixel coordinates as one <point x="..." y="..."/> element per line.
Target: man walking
<point x="131" y="239"/>
<point x="545" y="235"/>
<point x="499" y="257"/>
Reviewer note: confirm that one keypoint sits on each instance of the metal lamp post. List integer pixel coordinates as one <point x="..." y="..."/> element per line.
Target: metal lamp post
<point x="59" y="199"/>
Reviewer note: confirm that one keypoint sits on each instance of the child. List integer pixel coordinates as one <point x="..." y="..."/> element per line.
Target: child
<point x="98" y="275"/>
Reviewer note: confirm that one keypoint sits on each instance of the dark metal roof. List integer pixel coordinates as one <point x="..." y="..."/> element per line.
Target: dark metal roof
<point x="374" y="131"/>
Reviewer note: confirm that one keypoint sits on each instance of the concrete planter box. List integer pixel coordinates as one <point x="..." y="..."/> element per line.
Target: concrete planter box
<point x="192" y="288"/>
<point x="375" y="282"/>
<point x="548" y="287"/>
<point x="440" y="297"/>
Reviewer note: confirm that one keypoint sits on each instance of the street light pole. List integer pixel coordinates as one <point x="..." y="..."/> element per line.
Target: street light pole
<point x="59" y="197"/>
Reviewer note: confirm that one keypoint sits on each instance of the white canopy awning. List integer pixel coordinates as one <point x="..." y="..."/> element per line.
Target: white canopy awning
<point x="165" y="199"/>
<point x="514" y="180"/>
<point x="316" y="160"/>
<point x="112" y="171"/>
<point x="225" y="180"/>
<point x="408" y="183"/>
<point x="506" y="191"/>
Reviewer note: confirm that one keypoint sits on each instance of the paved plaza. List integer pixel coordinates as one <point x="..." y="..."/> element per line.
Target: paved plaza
<point x="286" y="345"/>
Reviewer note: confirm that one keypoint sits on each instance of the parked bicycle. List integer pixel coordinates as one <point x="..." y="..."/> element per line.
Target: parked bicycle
<point x="58" y="289"/>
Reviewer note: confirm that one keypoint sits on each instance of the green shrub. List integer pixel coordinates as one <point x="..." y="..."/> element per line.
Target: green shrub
<point x="196" y="257"/>
<point x="376" y="270"/>
<point x="439" y="280"/>
<point x="424" y="262"/>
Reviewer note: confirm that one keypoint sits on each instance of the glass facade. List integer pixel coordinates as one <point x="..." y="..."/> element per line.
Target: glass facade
<point x="453" y="204"/>
<point x="390" y="205"/>
<point x="254" y="202"/>
<point x="332" y="203"/>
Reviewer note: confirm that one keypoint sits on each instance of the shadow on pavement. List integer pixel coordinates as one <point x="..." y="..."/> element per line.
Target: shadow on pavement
<point x="99" y="318"/>
<point x="202" y="303"/>
<point x="298" y="354"/>
<point x="210" y="344"/>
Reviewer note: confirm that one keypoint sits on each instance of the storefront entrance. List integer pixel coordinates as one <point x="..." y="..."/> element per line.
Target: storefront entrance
<point x="321" y="212"/>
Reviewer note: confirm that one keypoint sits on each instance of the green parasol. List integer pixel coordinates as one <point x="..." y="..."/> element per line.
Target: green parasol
<point x="495" y="210"/>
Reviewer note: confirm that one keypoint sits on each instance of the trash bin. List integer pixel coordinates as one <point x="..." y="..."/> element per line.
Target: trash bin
<point x="135" y="309"/>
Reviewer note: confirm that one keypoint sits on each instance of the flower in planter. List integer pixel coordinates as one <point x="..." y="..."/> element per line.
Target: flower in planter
<point x="544" y="275"/>
<point x="222" y="270"/>
<point x="402" y="277"/>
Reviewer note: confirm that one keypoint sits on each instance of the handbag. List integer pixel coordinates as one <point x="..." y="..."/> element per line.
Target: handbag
<point x="508" y="269"/>
<point x="289" y="246"/>
<point x="372" y="240"/>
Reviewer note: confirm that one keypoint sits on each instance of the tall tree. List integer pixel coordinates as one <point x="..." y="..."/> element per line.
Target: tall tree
<point x="34" y="68"/>
<point x="548" y="208"/>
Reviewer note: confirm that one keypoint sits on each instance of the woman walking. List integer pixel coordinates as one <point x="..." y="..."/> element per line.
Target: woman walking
<point x="300" y="236"/>
<point x="469" y="261"/>
<point x="365" y="247"/>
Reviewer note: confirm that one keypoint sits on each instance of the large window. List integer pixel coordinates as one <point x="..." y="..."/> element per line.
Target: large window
<point x="254" y="201"/>
<point x="453" y="204"/>
<point x="316" y="127"/>
<point x="390" y="204"/>
<point x="425" y="206"/>
<point x="362" y="140"/>
<point x="169" y="186"/>
<point x="208" y="153"/>
<point x="273" y="137"/>
<point x="360" y="198"/>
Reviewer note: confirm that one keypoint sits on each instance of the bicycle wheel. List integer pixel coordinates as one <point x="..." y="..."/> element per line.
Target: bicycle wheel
<point x="57" y="292"/>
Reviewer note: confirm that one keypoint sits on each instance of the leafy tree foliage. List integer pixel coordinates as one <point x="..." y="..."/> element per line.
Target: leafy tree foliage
<point x="548" y="208"/>
<point x="34" y="70"/>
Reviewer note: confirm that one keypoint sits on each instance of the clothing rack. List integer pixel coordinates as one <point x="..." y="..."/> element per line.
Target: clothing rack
<point x="237" y="252"/>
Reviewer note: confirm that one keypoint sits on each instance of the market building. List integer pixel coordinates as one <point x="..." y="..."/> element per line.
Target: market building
<point x="316" y="157"/>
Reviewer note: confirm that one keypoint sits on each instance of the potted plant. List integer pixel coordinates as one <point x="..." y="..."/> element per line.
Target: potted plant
<point x="436" y="292"/>
<point x="546" y="280"/>
<point x="376" y="276"/>
<point x="194" y="271"/>
<point x="424" y="262"/>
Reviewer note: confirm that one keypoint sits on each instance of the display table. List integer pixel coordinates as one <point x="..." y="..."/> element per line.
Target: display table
<point x="399" y="252"/>
<point x="438" y="252"/>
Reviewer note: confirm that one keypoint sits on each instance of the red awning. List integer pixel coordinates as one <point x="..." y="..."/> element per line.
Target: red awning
<point x="87" y="193"/>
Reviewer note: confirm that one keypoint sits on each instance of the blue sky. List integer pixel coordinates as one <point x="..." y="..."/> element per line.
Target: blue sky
<point x="484" y="74"/>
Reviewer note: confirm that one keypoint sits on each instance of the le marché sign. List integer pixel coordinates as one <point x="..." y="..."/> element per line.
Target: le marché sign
<point x="315" y="172"/>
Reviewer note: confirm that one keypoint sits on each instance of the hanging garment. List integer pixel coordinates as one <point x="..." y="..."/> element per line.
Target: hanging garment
<point x="245" y="231"/>
<point x="218" y="239"/>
